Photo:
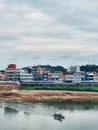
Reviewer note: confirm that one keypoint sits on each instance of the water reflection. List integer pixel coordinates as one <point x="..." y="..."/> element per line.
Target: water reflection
<point x="75" y="105"/>
<point x="79" y="115"/>
<point x="27" y="113"/>
<point x="10" y="110"/>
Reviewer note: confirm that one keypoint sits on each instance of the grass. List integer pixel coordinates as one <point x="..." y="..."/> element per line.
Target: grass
<point x="71" y="88"/>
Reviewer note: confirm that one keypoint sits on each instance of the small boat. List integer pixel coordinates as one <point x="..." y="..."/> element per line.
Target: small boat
<point x="9" y="110"/>
<point x="27" y="112"/>
<point x="58" y="116"/>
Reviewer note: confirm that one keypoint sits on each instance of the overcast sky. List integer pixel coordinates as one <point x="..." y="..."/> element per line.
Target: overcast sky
<point x="56" y="32"/>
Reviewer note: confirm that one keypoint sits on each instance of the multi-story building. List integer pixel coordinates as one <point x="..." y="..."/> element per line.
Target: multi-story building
<point x="11" y="67"/>
<point x="96" y="77"/>
<point x="26" y="77"/>
<point x="69" y="78"/>
<point x="18" y="75"/>
<point x="55" y="76"/>
<point x="12" y="75"/>
<point x="45" y="77"/>
<point x="74" y="68"/>
<point x="90" y="77"/>
<point x="41" y="70"/>
<point x="73" y="78"/>
<point x="49" y="76"/>
<point x="61" y="76"/>
<point x="2" y="75"/>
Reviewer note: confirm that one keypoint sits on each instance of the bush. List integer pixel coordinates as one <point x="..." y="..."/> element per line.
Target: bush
<point x="71" y="88"/>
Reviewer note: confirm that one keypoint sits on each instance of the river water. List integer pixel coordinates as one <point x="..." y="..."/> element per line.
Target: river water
<point x="81" y="115"/>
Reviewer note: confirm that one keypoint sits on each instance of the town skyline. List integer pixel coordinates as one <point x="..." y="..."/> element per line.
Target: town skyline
<point x="54" y="65"/>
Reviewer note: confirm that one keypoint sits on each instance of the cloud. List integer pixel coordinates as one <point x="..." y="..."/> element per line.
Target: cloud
<point x="48" y="32"/>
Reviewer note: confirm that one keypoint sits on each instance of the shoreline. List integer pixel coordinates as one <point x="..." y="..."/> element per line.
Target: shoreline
<point x="46" y="95"/>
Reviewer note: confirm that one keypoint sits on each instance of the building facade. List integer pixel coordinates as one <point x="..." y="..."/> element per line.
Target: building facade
<point x="12" y="75"/>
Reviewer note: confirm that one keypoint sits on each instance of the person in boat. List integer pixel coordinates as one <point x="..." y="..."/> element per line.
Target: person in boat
<point x="58" y="115"/>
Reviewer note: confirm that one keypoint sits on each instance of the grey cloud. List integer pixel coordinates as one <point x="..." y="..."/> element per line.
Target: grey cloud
<point x="48" y="31"/>
<point x="7" y="37"/>
<point x="90" y="29"/>
<point x="54" y="35"/>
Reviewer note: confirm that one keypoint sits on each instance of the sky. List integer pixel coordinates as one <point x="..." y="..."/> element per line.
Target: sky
<point x="55" y="32"/>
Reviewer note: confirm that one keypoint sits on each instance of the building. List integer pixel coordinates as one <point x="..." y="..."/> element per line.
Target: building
<point x="69" y="78"/>
<point x="96" y="77"/>
<point x="74" y="68"/>
<point x="18" y="75"/>
<point x="77" y="78"/>
<point x="90" y="77"/>
<point x="11" y="67"/>
<point x="55" y="76"/>
<point x="2" y="75"/>
<point x="73" y="78"/>
<point x="26" y="77"/>
<point x="12" y="75"/>
<point x="40" y="70"/>
<point x="49" y="76"/>
<point x="45" y="77"/>
<point x="61" y="76"/>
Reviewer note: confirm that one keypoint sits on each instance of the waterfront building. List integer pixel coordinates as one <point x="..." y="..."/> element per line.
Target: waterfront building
<point x="73" y="78"/>
<point x="12" y="75"/>
<point x="11" y="67"/>
<point x="49" y="76"/>
<point x="26" y="77"/>
<point x="86" y="77"/>
<point x="74" y="68"/>
<point x="61" y="76"/>
<point x="69" y="78"/>
<point x="2" y="75"/>
<point x="77" y="78"/>
<point x="40" y="70"/>
<point x="55" y="76"/>
<point x="45" y="77"/>
<point x="96" y="77"/>
<point x="91" y="76"/>
<point x="18" y="75"/>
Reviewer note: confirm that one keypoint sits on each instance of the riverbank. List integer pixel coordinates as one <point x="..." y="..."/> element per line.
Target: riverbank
<point x="44" y="95"/>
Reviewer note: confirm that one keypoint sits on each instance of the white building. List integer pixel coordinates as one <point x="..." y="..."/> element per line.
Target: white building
<point x="73" y="78"/>
<point x="18" y="75"/>
<point x="12" y="75"/>
<point x="74" y="68"/>
<point x="26" y="77"/>
<point x="69" y="78"/>
<point x="91" y="77"/>
<point x="96" y="77"/>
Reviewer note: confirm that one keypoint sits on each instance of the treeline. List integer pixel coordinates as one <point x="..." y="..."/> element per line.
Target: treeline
<point x="89" y="68"/>
<point x="47" y="67"/>
<point x="86" y="68"/>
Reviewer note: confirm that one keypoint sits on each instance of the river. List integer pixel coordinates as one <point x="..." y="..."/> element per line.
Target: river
<point x="79" y="115"/>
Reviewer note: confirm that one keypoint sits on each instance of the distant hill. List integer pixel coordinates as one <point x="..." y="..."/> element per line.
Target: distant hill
<point x="47" y="67"/>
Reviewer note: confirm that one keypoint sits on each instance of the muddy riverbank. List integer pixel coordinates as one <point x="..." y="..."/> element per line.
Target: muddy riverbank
<point x="44" y="95"/>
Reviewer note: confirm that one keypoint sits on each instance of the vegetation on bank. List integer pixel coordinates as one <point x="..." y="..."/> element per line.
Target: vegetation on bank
<point x="71" y="88"/>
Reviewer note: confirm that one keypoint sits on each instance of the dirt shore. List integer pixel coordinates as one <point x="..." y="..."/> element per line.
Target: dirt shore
<point x="43" y="95"/>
